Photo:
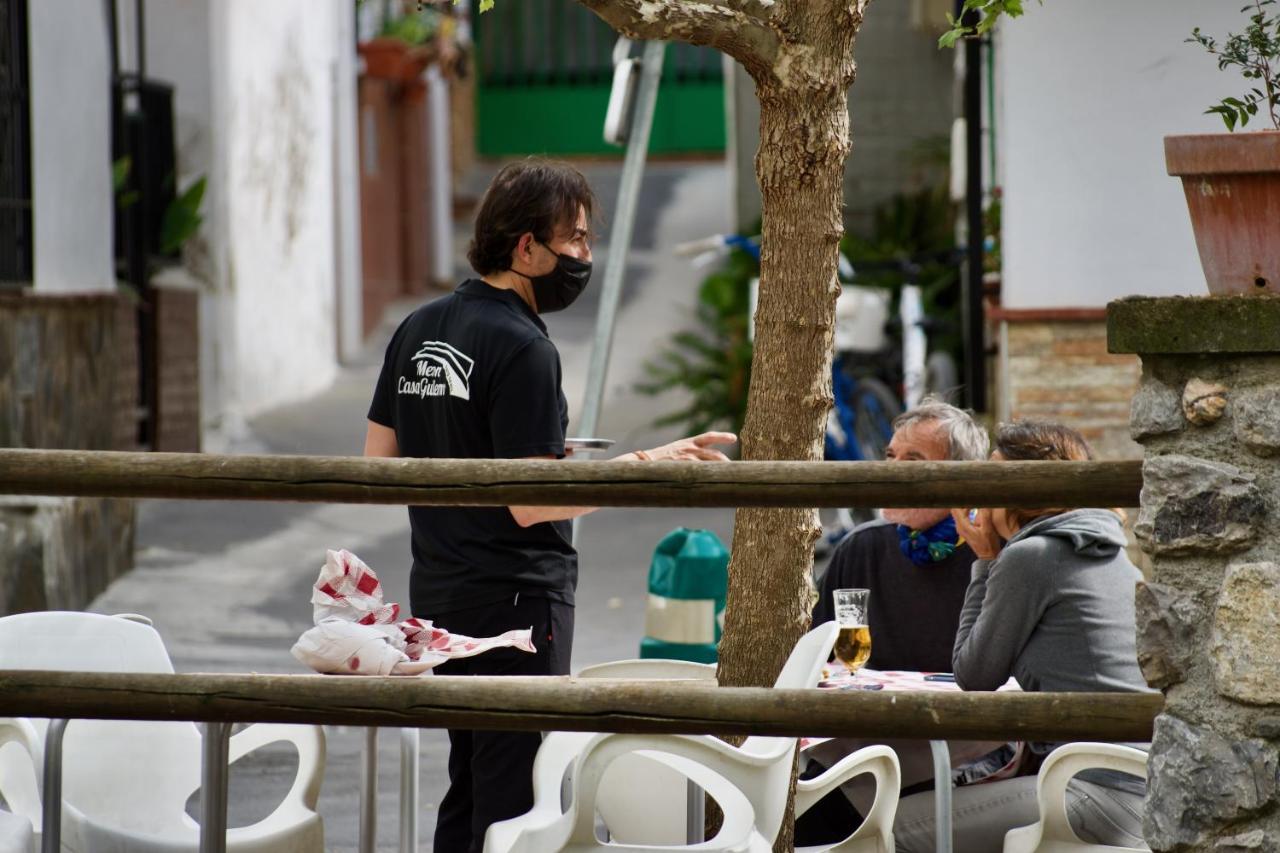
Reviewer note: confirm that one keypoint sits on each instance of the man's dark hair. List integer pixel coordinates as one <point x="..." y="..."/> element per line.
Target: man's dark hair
<point x="534" y="195"/>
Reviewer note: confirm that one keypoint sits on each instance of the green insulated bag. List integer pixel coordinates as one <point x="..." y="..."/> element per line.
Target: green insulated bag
<point x="687" y="582"/>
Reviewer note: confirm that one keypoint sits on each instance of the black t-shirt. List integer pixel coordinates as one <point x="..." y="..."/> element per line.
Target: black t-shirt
<point x="473" y="375"/>
<point x="913" y="611"/>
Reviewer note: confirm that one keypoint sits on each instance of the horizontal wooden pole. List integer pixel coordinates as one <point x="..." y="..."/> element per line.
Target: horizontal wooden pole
<point x="491" y="482"/>
<point x="563" y="704"/>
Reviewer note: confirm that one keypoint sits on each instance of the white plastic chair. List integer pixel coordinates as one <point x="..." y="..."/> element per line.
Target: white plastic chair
<point x="640" y="799"/>
<point x="125" y="784"/>
<point x="1053" y="833"/>
<point x="750" y="782"/>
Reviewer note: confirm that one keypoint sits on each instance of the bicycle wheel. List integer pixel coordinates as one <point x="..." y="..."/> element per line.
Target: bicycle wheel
<point x="874" y="408"/>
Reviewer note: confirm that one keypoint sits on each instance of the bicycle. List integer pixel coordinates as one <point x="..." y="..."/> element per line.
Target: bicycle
<point x="865" y="365"/>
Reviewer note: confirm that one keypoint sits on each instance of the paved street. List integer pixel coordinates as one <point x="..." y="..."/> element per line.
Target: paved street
<point x="228" y="584"/>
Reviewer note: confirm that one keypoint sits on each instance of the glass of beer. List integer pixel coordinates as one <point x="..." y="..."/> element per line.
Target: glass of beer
<point x="853" y="644"/>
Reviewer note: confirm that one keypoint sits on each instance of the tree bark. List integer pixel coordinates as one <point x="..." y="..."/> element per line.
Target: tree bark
<point x="800" y="54"/>
<point x="804" y="140"/>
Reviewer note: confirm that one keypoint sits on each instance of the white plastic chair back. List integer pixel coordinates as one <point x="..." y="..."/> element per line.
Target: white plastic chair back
<point x="639" y="799"/>
<point x="1053" y="833"/>
<point x="125" y="783"/>
<point x="803" y="669"/>
<point x="123" y="771"/>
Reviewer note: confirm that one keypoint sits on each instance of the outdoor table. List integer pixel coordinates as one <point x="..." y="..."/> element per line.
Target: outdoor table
<point x="914" y="768"/>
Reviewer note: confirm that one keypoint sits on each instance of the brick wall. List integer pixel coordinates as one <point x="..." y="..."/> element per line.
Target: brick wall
<point x="177" y="370"/>
<point x="1056" y="367"/>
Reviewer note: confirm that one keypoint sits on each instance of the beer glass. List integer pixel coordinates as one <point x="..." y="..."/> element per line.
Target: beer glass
<point x="853" y="643"/>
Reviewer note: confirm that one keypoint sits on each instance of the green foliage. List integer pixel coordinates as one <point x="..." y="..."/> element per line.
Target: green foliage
<point x="1256" y="54"/>
<point x="413" y="29"/>
<point x="989" y="12"/>
<point x="182" y="218"/>
<point x="120" y="182"/>
<point x="713" y="361"/>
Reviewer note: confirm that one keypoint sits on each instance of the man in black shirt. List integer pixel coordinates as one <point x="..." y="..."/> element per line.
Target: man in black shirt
<point x="473" y="375"/>
<point x="917" y="570"/>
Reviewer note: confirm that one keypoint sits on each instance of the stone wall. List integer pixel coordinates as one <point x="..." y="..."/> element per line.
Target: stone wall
<point x="65" y="372"/>
<point x="177" y="370"/>
<point x="1208" y="417"/>
<point x="1055" y="366"/>
<point x="68" y="379"/>
<point x="60" y="553"/>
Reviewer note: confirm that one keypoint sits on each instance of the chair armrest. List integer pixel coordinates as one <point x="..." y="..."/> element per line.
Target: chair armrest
<point x="880" y="761"/>
<point x="308" y="740"/>
<point x="20" y="731"/>
<point x="1063" y="764"/>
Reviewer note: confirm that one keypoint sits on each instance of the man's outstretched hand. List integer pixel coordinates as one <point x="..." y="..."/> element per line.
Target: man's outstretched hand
<point x="695" y="448"/>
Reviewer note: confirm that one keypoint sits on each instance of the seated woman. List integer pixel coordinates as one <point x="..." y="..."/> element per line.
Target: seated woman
<point x="1051" y="602"/>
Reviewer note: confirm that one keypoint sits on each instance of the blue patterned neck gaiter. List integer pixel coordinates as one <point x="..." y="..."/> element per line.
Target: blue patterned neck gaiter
<point x="923" y="547"/>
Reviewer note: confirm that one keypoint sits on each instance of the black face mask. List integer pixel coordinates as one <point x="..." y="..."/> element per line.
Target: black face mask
<point x="557" y="290"/>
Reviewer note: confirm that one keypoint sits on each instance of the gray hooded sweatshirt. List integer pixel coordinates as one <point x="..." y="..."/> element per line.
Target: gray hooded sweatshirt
<point x="1054" y="609"/>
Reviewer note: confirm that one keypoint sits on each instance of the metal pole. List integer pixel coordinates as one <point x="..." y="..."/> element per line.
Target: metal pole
<point x="975" y="345"/>
<point x="941" y="794"/>
<point x="620" y="240"/>
<point x="695" y="813"/>
<point x="369" y="792"/>
<point x="51" y="790"/>
<point x="213" y="788"/>
<point x="620" y="234"/>
<point x="409" y="739"/>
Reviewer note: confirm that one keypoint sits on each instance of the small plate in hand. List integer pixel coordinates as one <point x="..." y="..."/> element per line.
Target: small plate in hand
<point x="588" y="443"/>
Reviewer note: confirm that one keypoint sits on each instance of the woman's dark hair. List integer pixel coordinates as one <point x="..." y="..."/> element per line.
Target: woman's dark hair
<point x="1039" y="440"/>
<point x="534" y="195"/>
<point x="1030" y="440"/>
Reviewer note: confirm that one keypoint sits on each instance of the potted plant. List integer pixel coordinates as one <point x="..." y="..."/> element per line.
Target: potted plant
<point x="404" y="47"/>
<point x="1232" y="180"/>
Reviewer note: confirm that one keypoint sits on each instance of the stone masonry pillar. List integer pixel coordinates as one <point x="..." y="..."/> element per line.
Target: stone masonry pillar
<point x="1207" y="414"/>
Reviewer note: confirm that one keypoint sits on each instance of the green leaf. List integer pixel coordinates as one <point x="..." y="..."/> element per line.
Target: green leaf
<point x="120" y="173"/>
<point x="485" y="6"/>
<point x="182" y="218"/>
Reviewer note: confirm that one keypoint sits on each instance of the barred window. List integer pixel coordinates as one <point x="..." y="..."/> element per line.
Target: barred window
<point x="15" y="147"/>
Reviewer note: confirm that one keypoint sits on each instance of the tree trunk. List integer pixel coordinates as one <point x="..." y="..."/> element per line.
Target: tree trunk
<point x="804" y="139"/>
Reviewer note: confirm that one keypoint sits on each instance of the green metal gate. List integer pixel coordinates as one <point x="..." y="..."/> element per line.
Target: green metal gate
<point x="544" y="68"/>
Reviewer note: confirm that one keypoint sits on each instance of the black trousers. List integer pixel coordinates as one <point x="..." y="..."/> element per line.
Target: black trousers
<point x="491" y="773"/>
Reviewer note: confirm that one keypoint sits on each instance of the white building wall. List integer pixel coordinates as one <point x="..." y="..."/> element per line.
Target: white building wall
<point x="273" y="63"/>
<point x="1089" y="90"/>
<point x="256" y="88"/>
<point x="70" y="70"/>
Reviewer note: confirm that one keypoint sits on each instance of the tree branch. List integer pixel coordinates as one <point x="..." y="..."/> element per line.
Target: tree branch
<point x="739" y="28"/>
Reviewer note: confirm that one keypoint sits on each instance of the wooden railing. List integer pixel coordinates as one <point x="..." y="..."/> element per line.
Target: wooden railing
<point x="564" y="704"/>
<point x="485" y="482"/>
<point x="567" y="704"/>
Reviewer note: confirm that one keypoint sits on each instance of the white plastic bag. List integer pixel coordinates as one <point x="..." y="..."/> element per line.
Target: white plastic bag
<point x="357" y="633"/>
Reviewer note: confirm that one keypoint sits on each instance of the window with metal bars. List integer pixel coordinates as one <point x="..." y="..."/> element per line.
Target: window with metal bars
<point x="15" y="147"/>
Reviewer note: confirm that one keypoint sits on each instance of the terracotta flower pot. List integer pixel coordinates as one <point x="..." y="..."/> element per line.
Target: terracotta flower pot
<point x="1232" y="184"/>
<point x="392" y="59"/>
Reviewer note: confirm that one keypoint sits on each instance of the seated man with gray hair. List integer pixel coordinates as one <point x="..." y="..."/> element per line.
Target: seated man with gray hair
<point x="917" y="570"/>
<point x="913" y="561"/>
